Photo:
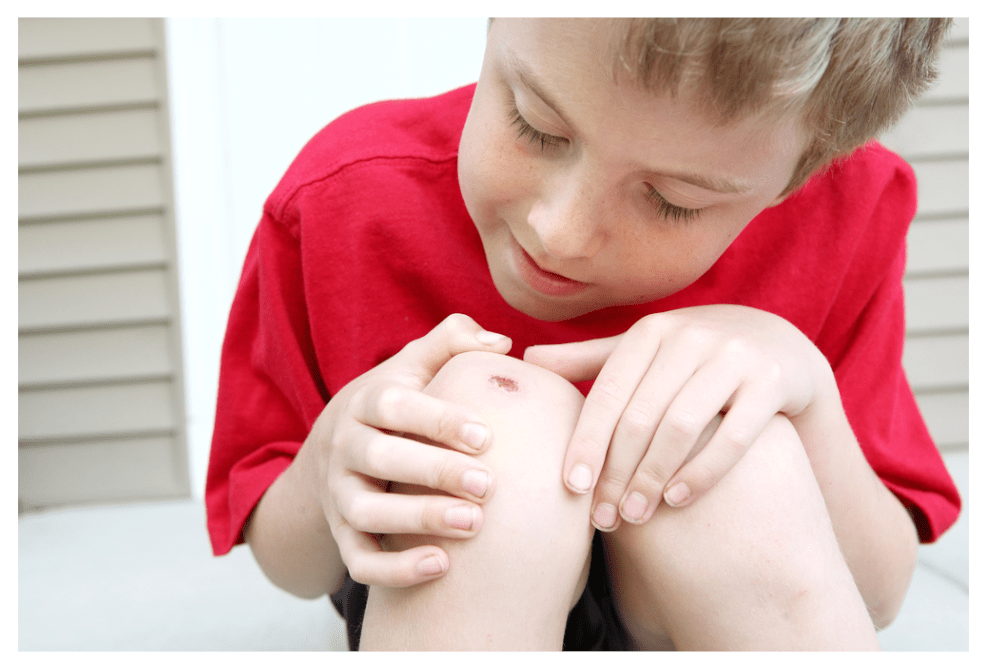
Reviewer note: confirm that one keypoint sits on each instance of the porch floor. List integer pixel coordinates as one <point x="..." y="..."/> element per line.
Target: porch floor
<point x="142" y="577"/>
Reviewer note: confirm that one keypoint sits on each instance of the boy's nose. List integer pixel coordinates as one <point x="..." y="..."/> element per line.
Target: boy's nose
<point x="568" y="224"/>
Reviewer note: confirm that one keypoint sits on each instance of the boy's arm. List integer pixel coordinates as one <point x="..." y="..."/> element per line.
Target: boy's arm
<point x="291" y="540"/>
<point x="318" y="518"/>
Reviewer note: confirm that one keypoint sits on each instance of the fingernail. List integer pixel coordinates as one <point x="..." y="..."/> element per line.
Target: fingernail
<point x="605" y="516"/>
<point x="476" y="482"/>
<point x="634" y="507"/>
<point x="677" y="494"/>
<point x="474" y="435"/>
<point x="490" y="338"/>
<point x="431" y="566"/>
<point x="460" y="517"/>
<point x="580" y="478"/>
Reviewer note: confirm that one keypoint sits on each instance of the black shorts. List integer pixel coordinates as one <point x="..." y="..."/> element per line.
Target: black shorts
<point x="593" y="622"/>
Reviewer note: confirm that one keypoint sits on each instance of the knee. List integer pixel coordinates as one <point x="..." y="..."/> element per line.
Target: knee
<point x="764" y="526"/>
<point x="532" y="523"/>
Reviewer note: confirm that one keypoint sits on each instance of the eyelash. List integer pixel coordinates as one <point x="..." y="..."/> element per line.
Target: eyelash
<point x="662" y="207"/>
<point x="670" y="211"/>
<point x="528" y="133"/>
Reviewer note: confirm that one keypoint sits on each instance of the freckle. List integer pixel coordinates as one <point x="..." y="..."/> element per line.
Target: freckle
<point x="505" y="383"/>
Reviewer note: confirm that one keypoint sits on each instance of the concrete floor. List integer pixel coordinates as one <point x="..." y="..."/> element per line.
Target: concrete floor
<point x="141" y="577"/>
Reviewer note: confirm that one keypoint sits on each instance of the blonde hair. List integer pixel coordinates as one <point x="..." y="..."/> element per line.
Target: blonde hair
<point x="849" y="78"/>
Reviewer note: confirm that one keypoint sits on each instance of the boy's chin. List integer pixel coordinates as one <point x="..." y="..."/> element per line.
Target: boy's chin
<point x="546" y="309"/>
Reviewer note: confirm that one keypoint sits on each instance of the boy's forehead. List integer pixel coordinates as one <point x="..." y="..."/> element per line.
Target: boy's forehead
<point x="584" y="59"/>
<point x="555" y="38"/>
<point x="536" y="47"/>
<point x="683" y="59"/>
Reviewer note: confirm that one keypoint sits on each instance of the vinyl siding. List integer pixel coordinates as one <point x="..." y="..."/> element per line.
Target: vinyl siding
<point x="101" y="399"/>
<point x="934" y="138"/>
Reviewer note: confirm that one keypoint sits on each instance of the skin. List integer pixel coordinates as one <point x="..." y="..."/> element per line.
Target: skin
<point x="770" y="576"/>
<point x="582" y="204"/>
<point x="584" y="184"/>
<point x="316" y="520"/>
<point x="511" y="586"/>
<point x="577" y="201"/>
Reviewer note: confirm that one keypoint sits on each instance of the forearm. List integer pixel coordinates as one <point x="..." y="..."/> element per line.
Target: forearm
<point x="290" y="538"/>
<point x="875" y="532"/>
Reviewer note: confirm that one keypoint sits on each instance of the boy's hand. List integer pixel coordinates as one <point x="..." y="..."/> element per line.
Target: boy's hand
<point x="356" y="448"/>
<point x="660" y="385"/>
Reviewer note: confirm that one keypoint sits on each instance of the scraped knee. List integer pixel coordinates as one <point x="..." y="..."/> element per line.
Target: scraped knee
<point x="536" y="535"/>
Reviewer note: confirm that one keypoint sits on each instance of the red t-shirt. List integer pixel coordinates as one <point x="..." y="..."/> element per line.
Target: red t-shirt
<point x="366" y="245"/>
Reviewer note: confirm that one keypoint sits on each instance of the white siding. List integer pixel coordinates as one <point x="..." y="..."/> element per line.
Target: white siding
<point x="934" y="138"/>
<point x="100" y="404"/>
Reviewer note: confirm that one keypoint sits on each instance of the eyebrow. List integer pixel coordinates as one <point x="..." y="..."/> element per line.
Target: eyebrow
<point x="528" y="80"/>
<point x="704" y="181"/>
<point x="707" y="182"/>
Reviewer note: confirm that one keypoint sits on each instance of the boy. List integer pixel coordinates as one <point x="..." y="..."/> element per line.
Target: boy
<point x="631" y="202"/>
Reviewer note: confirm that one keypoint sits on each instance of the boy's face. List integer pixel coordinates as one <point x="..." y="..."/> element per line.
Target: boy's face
<point x="588" y="193"/>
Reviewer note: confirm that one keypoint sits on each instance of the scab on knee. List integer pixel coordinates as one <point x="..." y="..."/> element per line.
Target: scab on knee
<point x="505" y="383"/>
<point x="476" y="377"/>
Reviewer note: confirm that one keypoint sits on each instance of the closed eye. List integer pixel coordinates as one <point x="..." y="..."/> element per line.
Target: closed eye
<point x="670" y="211"/>
<point x="528" y="133"/>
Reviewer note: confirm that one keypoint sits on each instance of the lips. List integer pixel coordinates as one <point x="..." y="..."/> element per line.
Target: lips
<point x="542" y="281"/>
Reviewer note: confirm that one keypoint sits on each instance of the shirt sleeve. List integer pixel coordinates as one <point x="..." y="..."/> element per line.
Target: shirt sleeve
<point x="867" y="363"/>
<point x="270" y="391"/>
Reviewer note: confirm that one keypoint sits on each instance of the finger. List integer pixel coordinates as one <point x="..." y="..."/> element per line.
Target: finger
<point x="576" y="361"/>
<point x="457" y="333"/>
<point x="687" y="417"/>
<point x="603" y="407"/>
<point x="739" y="429"/>
<point x="634" y="433"/>
<point x="393" y="458"/>
<point x="398" y="408"/>
<point x="367" y="563"/>
<point x="377" y="512"/>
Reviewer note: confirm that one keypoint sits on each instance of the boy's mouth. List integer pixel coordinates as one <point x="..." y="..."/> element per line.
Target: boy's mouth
<point x="545" y="282"/>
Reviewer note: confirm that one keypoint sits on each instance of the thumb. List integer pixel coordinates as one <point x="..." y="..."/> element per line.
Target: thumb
<point x="456" y="334"/>
<point x="576" y="361"/>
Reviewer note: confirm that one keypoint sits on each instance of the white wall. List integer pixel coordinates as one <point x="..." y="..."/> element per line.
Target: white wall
<point x="245" y="96"/>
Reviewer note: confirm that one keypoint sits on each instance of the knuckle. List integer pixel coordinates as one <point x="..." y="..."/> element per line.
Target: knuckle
<point x="682" y="424"/>
<point x="736" y="347"/>
<point x="701" y="475"/>
<point x="587" y="444"/>
<point x="425" y="523"/>
<point x="699" y="336"/>
<point x="650" y="479"/>
<point x="441" y="474"/>
<point x="735" y="441"/>
<point x="638" y="420"/>
<point x="387" y="399"/>
<point x="446" y="427"/>
<point x="456" y="319"/>
<point x="650" y="326"/>
<point x="457" y="323"/>
<point x="611" y="486"/>
<point x="606" y="392"/>
<point x="375" y="455"/>
<point x="356" y="513"/>
<point x="772" y="372"/>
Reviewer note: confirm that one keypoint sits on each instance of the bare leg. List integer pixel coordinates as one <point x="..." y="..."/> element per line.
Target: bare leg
<point x="753" y="564"/>
<point x="512" y="585"/>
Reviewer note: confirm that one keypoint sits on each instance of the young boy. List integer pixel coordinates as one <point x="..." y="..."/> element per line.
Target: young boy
<point x="653" y="205"/>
